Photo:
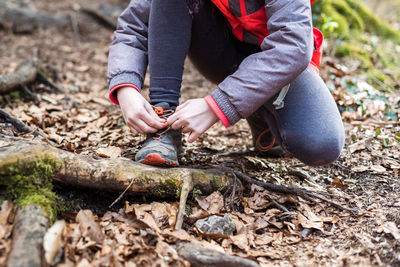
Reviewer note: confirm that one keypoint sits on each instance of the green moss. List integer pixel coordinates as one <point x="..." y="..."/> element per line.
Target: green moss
<point x="31" y="183"/>
<point x="356" y="51"/>
<point x="167" y="188"/>
<point x="350" y="16"/>
<point x="372" y="23"/>
<point x="196" y="192"/>
<point x="215" y="184"/>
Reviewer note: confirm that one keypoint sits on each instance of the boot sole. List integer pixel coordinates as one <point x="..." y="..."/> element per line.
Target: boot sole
<point x="154" y="159"/>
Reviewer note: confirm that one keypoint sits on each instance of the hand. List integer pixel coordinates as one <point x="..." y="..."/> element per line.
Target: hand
<point x="138" y="113"/>
<point x="194" y="116"/>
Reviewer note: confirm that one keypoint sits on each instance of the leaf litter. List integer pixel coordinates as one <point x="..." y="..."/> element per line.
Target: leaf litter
<point x="142" y="234"/>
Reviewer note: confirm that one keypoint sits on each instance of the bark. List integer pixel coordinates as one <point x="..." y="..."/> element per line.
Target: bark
<point x="25" y="19"/>
<point x="112" y="174"/>
<point x="200" y="256"/>
<point x="26" y="73"/>
<point x="29" y="229"/>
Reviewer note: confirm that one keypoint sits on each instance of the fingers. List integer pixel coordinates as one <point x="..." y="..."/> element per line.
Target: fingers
<point x="155" y="123"/>
<point x="193" y="136"/>
<point x="144" y="128"/>
<point x="152" y="114"/>
<point x="133" y="131"/>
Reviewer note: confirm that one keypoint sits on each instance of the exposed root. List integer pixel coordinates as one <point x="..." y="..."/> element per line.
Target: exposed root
<point x="19" y="125"/>
<point x="186" y="188"/>
<point x="112" y="174"/>
<point x="301" y="192"/>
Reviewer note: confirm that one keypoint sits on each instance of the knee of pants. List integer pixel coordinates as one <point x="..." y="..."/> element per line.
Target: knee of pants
<point x="315" y="150"/>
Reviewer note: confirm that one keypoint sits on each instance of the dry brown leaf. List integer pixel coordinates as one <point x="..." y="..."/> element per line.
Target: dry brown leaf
<point x="306" y="223"/>
<point x="257" y="202"/>
<point x="264" y="239"/>
<point x="212" y="203"/>
<point x="164" y="213"/>
<point x="6" y="212"/>
<point x="337" y="182"/>
<point x="261" y="223"/>
<point x="52" y="241"/>
<point x="391" y="228"/>
<point x="197" y="213"/>
<point x="109" y="152"/>
<point x="89" y="227"/>
<point x="143" y="215"/>
<point x="173" y="236"/>
<point x="241" y="241"/>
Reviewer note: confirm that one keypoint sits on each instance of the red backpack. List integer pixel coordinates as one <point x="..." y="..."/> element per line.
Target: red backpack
<point x="248" y="20"/>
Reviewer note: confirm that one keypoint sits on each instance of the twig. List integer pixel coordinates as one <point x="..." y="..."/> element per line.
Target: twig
<point x="75" y="27"/>
<point x="46" y="81"/>
<point x="233" y="192"/>
<point x="186" y="188"/>
<point x="20" y="126"/>
<point x="32" y="95"/>
<point x="122" y="194"/>
<point x="286" y="189"/>
<point x="277" y="204"/>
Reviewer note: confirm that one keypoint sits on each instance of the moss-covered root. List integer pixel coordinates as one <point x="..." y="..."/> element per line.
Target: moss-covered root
<point x="27" y="183"/>
<point x="111" y="174"/>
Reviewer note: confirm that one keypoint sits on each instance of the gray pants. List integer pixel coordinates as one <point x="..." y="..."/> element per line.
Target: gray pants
<point x="308" y="126"/>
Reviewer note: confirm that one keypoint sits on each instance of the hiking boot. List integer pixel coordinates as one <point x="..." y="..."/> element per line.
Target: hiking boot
<point x="263" y="140"/>
<point x="163" y="147"/>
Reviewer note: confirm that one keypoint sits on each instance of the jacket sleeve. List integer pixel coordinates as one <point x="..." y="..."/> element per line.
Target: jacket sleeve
<point x="127" y="59"/>
<point x="286" y="52"/>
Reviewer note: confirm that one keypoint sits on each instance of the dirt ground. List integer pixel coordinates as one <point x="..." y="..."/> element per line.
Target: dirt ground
<point x="365" y="177"/>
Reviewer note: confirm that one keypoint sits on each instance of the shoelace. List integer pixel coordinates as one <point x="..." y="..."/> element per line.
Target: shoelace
<point x="164" y="114"/>
<point x="258" y="141"/>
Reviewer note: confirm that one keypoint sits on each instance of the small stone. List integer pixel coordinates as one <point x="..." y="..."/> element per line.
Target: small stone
<point x="216" y="224"/>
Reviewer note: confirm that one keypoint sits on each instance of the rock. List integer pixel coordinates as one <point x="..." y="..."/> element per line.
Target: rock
<point x="216" y="224"/>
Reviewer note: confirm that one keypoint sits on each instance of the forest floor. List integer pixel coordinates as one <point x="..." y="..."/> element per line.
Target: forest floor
<point x="365" y="177"/>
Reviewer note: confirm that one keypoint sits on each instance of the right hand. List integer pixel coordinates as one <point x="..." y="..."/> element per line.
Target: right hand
<point x="138" y="113"/>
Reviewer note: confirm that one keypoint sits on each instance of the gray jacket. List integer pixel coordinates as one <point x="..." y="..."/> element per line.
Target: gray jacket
<point x="286" y="52"/>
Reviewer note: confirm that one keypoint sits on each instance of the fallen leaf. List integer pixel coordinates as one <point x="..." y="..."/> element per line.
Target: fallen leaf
<point x="212" y="203"/>
<point x="6" y="212"/>
<point x="89" y="227"/>
<point x="52" y="241"/>
<point x="306" y="223"/>
<point x="264" y="239"/>
<point x="143" y="215"/>
<point x="164" y="213"/>
<point x="109" y="152"/>
<point x="337" y="182"/>
<point x="391" y="228"/>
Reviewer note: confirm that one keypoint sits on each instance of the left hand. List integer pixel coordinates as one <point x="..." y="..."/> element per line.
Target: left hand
<point x="194" y="116"/>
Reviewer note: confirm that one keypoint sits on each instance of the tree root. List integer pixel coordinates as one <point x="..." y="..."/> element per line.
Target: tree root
<point x="29" y="229"/>
<point x="112" y="174"/>
<point x="19" y="125"/>
<point x="301" y="192"/>
<point x="28" y="71"/>
<point x="200" y="256"/>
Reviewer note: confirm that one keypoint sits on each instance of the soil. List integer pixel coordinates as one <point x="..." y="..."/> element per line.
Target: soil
<point x="365" y="177"/>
